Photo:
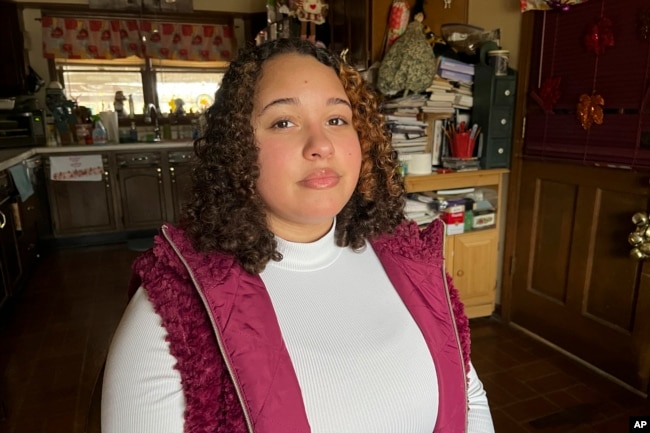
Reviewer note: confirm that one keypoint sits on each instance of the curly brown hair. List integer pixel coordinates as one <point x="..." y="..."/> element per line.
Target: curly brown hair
<point x="226" y="214"/>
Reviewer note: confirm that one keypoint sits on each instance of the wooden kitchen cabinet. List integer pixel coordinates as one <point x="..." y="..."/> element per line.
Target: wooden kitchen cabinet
<point x="10" y="266"/>
<point x="142" y="192"/>
<point x="179" y="169"/>
<point x="31" y="214"/>
<point x="34" y="216"/>
<point x="82" y="207"/>
<point x="153" y="187"/>
<point x="471" y="258"/>
<point x="10" y="270"/>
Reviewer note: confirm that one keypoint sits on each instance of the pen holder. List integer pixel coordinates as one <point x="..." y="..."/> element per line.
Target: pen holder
<point x="462" y="146"/>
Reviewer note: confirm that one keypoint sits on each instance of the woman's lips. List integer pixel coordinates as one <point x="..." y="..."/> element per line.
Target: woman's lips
<point x="321" y="179"/>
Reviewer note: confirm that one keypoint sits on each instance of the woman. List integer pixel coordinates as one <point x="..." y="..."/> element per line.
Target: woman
<point x="295" y="298"/>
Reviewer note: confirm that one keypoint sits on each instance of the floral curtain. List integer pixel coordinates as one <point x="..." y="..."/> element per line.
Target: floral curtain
<point x="73" y="38"/>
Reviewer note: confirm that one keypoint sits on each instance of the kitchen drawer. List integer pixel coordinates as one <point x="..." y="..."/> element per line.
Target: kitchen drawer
<point x="504" y="92"/>
<point x="496" y="153"/>
<point x="500" y="122"/>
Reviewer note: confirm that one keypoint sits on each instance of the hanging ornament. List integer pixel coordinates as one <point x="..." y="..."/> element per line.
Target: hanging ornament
<point x="548" y="94"/>
<point x="644" y="25"/>
<point x="599" y="36"/>
<point x="590" y="110"/>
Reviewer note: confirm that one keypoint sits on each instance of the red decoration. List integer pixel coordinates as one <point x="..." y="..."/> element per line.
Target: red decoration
<point x="548" y="94"/>
<point x="599" y="36"/>
<point x="590" y="110"/>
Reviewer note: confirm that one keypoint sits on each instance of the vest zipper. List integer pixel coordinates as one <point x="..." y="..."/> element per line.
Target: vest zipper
<point x="453" y="317"/>
<point x="249" y="424"/>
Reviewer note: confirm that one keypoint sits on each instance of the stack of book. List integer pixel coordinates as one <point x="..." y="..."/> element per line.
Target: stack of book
<point x="441" y="97"/>
<point x="420" y="208"/>
<point x="455" y="70"/>
<point x="403" y="118"/>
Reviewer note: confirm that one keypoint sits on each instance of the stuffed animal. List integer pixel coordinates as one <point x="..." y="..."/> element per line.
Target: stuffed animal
<point x="312" y="12"/>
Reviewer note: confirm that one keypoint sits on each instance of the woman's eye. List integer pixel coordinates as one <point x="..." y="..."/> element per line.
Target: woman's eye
<point x="337" y="121"/>
<point x="282" y="124"/>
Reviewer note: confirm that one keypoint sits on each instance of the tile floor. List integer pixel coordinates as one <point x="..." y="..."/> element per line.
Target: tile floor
<point x="54" y="338"/>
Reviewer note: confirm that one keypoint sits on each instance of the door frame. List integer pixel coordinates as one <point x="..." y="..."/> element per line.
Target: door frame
<point x="514" y="180"/>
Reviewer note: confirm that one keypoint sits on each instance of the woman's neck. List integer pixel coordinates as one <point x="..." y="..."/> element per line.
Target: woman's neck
<point x="300" y="233"/>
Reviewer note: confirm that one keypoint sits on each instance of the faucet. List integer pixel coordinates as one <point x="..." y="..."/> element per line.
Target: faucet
<point x="151" y="108"/>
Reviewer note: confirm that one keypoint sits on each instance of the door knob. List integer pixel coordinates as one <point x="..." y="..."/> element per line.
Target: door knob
<point x="640" y="237"/>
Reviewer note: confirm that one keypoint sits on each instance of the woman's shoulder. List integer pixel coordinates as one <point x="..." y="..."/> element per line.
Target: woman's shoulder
<point x="174" y="254"/>
<point x="412" y="242"/>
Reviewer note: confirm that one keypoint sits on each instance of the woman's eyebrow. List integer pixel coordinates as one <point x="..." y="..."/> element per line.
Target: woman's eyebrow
<point x="295" y="101"/>
<point x="335" y="101"/>
<point x="289" y="101"/>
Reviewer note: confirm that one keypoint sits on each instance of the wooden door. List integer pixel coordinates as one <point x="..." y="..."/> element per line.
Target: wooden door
<point x="568" y="277"/>
<point x="574" y="283"/>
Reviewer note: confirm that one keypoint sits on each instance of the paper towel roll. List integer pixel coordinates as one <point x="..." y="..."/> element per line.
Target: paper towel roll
<point x="109" y="119"/>
<point x="419" y="163"/>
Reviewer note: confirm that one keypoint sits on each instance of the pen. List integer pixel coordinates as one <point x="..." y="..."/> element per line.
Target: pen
<point x="474" y="132"/>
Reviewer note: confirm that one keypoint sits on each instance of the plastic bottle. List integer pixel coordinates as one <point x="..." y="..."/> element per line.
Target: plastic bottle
<point x="133" y="133"/>
<point x="99" y="132"/>
<point x="131" y="107"/>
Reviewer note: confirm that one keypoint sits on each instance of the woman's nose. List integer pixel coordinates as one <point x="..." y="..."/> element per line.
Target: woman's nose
<point x="319" y="143"/>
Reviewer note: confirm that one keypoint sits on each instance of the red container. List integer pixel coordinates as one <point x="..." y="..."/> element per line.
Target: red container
<point x="462" y="146"/>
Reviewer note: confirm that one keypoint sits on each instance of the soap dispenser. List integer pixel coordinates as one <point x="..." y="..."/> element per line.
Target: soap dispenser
<point x="100" y="136"/>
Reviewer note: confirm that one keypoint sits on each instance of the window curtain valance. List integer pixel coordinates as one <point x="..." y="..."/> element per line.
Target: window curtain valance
<point x="81" y="38"/>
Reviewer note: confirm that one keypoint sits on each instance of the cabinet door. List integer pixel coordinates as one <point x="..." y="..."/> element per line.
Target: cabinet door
<point x="475" y="270"/>
<point x="31" y="214"/>
<point x="142" y="196"/>
<point x="9" y="257"/>
<point x="82" y="207"/>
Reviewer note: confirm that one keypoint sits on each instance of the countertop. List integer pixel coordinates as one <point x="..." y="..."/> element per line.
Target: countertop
<point x="13" y="156"/>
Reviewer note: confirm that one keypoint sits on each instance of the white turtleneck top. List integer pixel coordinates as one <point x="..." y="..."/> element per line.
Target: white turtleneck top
<point x="361" y="361"/>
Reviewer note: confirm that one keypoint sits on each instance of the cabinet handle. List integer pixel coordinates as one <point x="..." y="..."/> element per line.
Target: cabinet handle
<point x="159" y="171"/>
<point x="507" y="92"/>
<point x="500" y="151"/>
<point x="460" y="273"/>
<point x="106" y="181"/>
<point x="172" y="174"/>
<point x="3" y="221"/>
<point x="504" y="121"/>
<point x="30" y="208"/>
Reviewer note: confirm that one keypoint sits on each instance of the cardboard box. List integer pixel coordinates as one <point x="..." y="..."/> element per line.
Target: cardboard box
<point x="454" y="218"/>
<point x="484" y="219"/>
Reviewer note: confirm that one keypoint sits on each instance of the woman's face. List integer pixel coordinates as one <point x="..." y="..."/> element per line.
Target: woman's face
<point x="309" y="152"/>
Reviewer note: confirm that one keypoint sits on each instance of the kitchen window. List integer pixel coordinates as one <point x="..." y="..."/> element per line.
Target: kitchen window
<point x="94" y="84"/>
<point x="168" y="64"/>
